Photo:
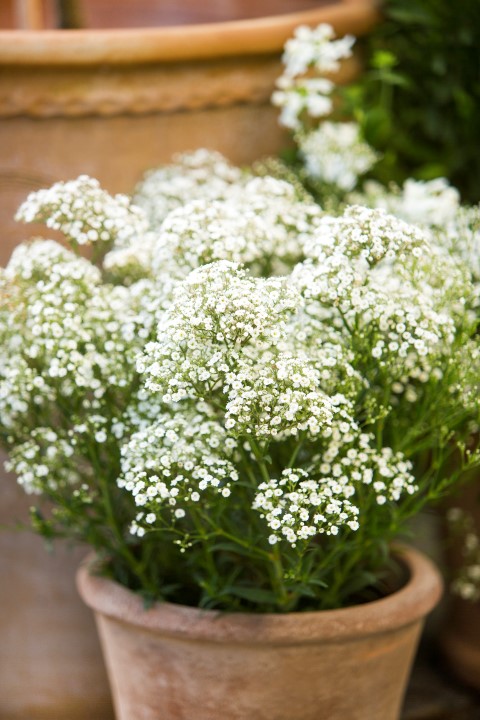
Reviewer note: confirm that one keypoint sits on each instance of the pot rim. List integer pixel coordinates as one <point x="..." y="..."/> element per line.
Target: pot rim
<point x="402" y="608"/>
<point x="207" y="41"/>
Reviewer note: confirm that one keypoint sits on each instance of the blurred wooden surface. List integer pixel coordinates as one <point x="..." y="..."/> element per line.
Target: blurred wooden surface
<point x="434" y="695"/>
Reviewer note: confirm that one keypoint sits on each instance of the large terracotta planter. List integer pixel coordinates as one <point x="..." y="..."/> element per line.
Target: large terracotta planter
<point x="51" y="667"/>
<point x="177" y="663"/>
<point x="460" y="634"/>
<point x="113" y="103"/>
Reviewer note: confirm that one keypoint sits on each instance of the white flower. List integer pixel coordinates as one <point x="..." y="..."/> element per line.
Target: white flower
<point x="432" y="203"/>
<point x="299" y="94"/>
<point x="171" y="464"/>
<point x="297" y="507"/>
<point x="315" y="48"/>
<point x="308" y="95"/>
<point x="85" y="213"/>
<point x="281" y="395"/>
<point x="200" y="175"/>
<point x="215" y="312"/>
<point x="335" y="154"/>
<point x="260" y="224"/>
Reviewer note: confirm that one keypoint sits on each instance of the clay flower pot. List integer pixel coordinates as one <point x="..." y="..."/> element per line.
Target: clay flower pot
<point x="172" y="662"/>
<point x="112" y="103"/>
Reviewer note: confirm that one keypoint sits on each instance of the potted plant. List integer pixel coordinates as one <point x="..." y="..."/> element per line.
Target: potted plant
<point x="231" y="402"/>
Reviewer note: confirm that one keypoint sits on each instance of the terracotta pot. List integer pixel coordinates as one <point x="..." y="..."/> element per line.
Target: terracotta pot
<point x="177" y="663"/>
<point x="113" y="103"/>
<point x="460" y="634"/>
<point x="51" y="667"/>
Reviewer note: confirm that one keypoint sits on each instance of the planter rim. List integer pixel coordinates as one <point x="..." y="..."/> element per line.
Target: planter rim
<point x="404" y="607"/>
<point x="256" y="36"/>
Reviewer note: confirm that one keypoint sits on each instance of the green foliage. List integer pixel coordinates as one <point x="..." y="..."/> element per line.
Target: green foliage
<point x="418" y="101"/>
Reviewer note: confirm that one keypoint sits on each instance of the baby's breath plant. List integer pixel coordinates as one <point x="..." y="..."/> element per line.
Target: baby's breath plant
<point x="233" y="400"/>
<point x="258" y="376"/>
<point x="331" y="153"/>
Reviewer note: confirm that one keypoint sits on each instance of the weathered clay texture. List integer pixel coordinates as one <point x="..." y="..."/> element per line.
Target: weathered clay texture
<point x="178" y="663"/>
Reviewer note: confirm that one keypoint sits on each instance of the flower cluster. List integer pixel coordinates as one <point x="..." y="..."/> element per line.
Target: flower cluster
<point x="199" y="175"/>
<point x="336" y="155"/>
<point x="366" y="235"/>
<point x="453" y="230"/>
<point x="260" y="224"/>
<point x="297" y="94"/>
<point x="216" y="311"/>
<point x="44" y="460"/>
<point x="172" y="464"/>
<point x="357" y="463"/>
<point x="298" y="508"/>
<point x="68" y="341"/>
<point x="364" y="268"/>
<point x="303" y="504"/>
<point x="279" y="395"/>
<point x="433" y="203"/>
<point x="333" y="154"/>
<point x="232" y="399"/>
<point x="85" y="213"/>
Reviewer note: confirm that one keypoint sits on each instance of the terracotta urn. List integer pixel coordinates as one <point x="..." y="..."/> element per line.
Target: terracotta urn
<point x="113" y="103"/>
<point x="172" y="662"/>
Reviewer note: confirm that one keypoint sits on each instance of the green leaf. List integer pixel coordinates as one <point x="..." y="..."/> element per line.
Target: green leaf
<point x="317" y="581"/>
<point x="411" y="15"/>
<point x="231" y="547"/>
<point x="383" y="59"/>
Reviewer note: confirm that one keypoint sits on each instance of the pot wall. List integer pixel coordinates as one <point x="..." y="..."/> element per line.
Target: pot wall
<point x="178" y="663"/>
<point x="51" y="666"/>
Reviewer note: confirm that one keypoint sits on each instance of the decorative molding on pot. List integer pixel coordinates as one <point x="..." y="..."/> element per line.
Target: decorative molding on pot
<point x="77" y="92"/>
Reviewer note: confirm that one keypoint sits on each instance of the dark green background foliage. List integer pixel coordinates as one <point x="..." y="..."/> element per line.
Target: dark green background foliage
<point x="419" y="102"/>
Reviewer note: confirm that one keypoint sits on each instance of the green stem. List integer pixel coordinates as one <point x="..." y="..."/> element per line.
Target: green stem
<point x="133" y="564"/>
<point x="259" y="458"/>
<point x="253" y="549"/>
<point x="277" y="578"/>
<point x="297" y="449"/>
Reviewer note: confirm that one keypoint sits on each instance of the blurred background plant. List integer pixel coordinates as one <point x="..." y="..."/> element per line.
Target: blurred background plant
<point x="417" y="101"/>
